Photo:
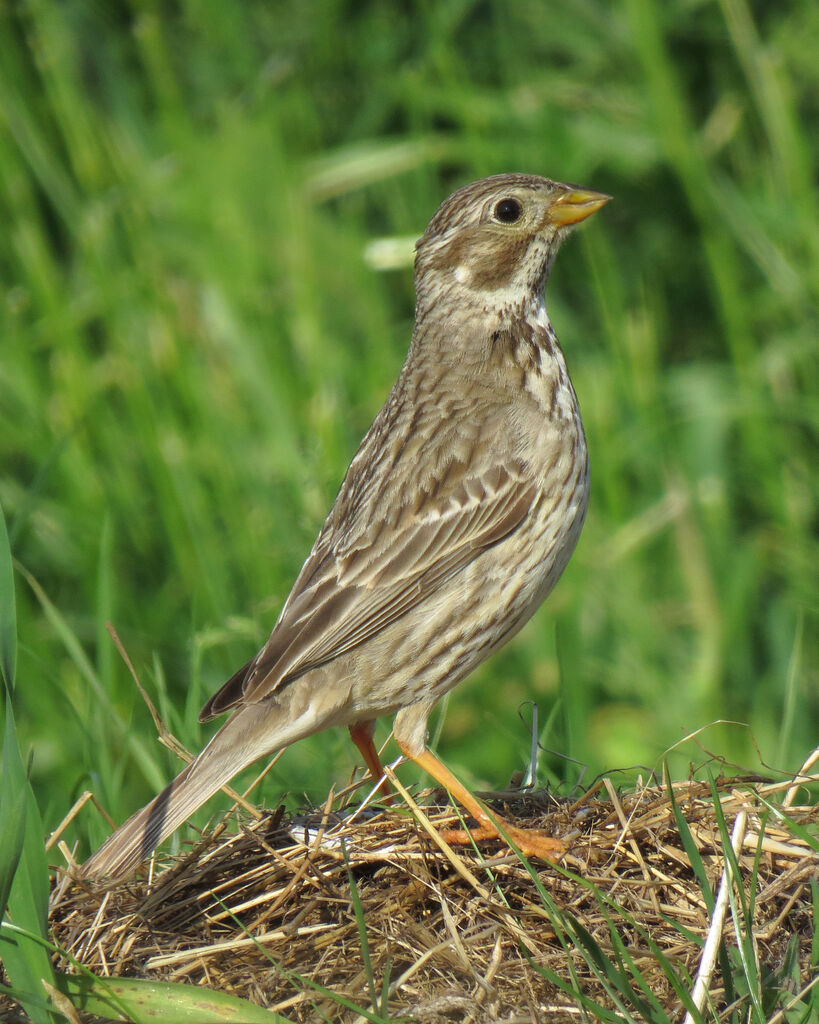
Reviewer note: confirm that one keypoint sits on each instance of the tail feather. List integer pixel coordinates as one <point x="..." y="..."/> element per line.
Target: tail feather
<point x="133" y="842"/>
<point x="251" y="732"/>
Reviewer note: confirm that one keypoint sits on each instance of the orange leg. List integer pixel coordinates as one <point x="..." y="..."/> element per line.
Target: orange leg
<point x="362" y="735"/>
<point x="530" y="843"/>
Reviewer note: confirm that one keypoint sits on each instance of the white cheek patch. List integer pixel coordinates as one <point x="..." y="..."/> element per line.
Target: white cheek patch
<point x="462" y="274"/>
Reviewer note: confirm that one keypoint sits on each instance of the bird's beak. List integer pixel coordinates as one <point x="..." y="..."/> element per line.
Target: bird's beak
<point x="574" y="205"/>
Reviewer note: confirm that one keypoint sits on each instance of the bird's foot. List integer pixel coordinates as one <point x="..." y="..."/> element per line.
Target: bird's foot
<point x="530" y="843"/>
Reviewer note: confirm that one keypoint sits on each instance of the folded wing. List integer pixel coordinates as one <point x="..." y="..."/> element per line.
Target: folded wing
<point x="347" y="594"/>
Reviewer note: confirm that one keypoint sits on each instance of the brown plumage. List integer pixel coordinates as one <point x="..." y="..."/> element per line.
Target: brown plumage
<point x="456" y="517"/>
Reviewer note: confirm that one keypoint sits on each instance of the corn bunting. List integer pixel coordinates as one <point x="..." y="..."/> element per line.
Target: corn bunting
<point x="456" y="517"/>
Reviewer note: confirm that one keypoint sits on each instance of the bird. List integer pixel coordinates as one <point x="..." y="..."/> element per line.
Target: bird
<point x="456" y="517"/>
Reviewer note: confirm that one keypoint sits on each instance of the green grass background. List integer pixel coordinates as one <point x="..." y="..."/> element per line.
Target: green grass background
<point x="192" y="342"/>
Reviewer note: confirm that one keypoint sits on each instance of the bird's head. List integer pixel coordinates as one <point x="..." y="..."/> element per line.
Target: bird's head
<point x="492" y="243"/>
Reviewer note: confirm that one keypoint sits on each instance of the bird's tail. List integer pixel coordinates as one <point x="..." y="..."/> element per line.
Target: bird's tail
<point x="241" y="741"/>
<point x="133" y="842"/>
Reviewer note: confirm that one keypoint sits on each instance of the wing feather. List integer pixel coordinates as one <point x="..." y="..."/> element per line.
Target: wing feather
<point x="353" y="597"/>
<point x="390" y="541"/>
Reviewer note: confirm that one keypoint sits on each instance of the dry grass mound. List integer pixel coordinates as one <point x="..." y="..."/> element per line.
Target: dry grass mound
<point x="376" y="909"/>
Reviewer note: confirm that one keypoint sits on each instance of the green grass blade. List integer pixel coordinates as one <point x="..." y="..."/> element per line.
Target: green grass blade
<point x="576" y="993"/>
<point x="573" y="937"/>
<point x="26" y="961"/>
<point x="304" y="982"/>
<point x="144" y="1001"/>
<point x="570" y="934"/>
<point x="650" y="1006"/>
<point x="35" y="1002"/>
<point x="8" y="611"/>
<point x="681" y="985"/>
<point x="361" y="924"/>
<point x="137" y="746"/>
<point x="690" y="846"/>
<point x="23" y="868"/>
<point x="618" y="980"/>
<point x="698" y="868"/>
<point x="812" y="1012"/>
<point x="805" y="834"/>
<point x="172" y="1003"/>
<point x="740" y="910"/>
<point x="13" y="803"/>
<point x="791" y="698"/>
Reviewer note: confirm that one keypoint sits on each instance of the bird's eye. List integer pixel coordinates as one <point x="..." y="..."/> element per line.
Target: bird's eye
<point x="507" y="211"/>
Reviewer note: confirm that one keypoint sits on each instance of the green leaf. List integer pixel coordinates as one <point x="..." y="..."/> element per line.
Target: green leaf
<point x="23" y="868"/>
<point x="27" y="961"/>
<point x="702" y="878"/>
<point x="740" y="909"/>
<point x="650" y="1007"/>
<point x="148" y="1001"/>
<point x="361" y="924"/>
<point x="805" y="834"/>
<point x="608" y="971"/>
<point x="690" y="846"/>
<point x="12" y="808"/>
<point x="300" y="981"/>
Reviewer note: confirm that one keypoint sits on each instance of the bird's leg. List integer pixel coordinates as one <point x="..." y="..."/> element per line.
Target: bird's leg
<point x="362" y="735"/>
<point x="532" y="844"/>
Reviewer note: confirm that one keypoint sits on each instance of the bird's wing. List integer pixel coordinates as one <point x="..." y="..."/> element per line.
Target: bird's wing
<point x="346" y="594"/>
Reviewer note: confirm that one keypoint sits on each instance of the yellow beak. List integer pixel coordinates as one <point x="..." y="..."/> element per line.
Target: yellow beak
<point x="576" y="204"/>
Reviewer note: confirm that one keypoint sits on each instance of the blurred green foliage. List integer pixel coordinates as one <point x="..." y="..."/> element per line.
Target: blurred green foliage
<point x="192" y="342"/>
